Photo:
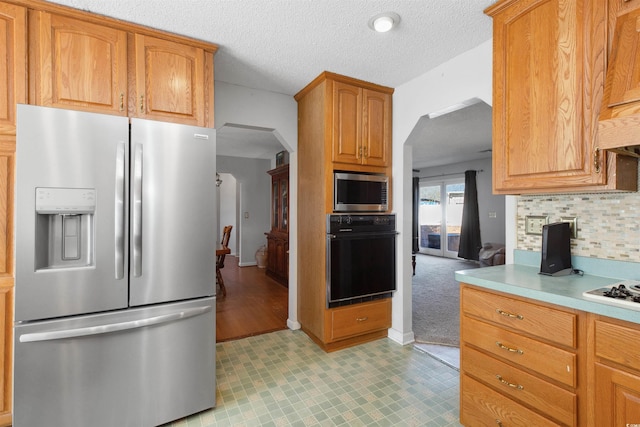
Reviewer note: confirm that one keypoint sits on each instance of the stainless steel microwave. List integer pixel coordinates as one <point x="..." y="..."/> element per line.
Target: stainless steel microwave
<point x="360" y="192"/>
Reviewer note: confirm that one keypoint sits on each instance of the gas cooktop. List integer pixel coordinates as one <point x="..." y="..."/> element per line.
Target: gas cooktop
<point x="625" y="293"/>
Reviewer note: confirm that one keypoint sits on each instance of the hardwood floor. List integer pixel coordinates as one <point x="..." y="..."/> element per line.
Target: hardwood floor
<point x="255" y="303"/>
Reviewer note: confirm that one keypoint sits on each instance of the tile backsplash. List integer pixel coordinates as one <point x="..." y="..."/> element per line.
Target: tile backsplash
<point x="608" y="223"/>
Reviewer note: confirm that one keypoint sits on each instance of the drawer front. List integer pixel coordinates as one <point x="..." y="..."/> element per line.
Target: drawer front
<point x="482" y="406"/>
<point x="360" y="319"/>
<point x="614" y="343"/>
<point x="548" y="360"/>
<point x="544" y="322"/>
<point x="549" y="399"/>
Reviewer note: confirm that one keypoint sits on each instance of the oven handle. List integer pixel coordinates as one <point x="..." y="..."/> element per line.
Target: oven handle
<point x="350" y="234"/>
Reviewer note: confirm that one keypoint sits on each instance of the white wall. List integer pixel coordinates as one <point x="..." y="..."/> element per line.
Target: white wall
<point x="228" y="209"/>
<point x="254" y="190"/>
<point x="251" y="107"/>
<point x="492" y="229"/>
<point x="467" y="76"/>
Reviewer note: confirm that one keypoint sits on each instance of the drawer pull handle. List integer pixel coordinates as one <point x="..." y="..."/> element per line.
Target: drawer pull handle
<point x="507" y="383"/>
<point x="499" y="423"/>
<point x="512" y="350"/>
<point x="361" y="319"/>
<point x="507" y="314"/>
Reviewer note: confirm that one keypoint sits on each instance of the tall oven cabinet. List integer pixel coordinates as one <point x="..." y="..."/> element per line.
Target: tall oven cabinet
<point x="344" y="124"/>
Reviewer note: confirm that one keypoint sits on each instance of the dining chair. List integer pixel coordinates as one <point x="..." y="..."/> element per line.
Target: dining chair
<point x="226" y="235"/>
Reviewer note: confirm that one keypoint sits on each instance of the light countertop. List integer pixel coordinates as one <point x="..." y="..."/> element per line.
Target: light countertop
<point x="565" y="291"/>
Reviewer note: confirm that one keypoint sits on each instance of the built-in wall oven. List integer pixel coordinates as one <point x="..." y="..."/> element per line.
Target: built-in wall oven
<point x="361" y="257"/>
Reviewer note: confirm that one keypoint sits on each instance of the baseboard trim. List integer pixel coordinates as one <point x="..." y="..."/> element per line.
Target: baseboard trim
<point x="293" y="325"/>
<point x="247" y="264"/>
<point x="401" y="338"/>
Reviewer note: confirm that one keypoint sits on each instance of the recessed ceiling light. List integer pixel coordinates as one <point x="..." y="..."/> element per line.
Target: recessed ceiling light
<point x="384" y="22"/>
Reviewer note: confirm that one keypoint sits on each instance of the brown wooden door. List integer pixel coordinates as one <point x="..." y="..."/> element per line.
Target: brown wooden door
<point x="13" y="70"/>
<point x="170" y="81"/>
<point x="376" y="128"/>
<point x="617" y="397"/>
<point x="347" y="123"/>
<point x="548" y="82"/>
<point x="79" y="65"/>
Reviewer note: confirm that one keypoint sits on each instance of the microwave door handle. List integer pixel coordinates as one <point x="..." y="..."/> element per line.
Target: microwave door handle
<point x="136" y="216"/>
<point x="119" y="211"/>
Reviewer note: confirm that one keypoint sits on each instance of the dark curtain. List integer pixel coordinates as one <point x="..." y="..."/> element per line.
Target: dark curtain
<point x="470" y="243"/>
<point x="416" y="206"/>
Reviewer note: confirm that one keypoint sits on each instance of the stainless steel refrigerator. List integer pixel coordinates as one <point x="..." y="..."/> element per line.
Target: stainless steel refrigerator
<point x="115" y="270"/>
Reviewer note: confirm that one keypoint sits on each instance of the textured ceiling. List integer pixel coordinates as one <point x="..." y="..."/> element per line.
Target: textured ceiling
<point x="281" y="45"/>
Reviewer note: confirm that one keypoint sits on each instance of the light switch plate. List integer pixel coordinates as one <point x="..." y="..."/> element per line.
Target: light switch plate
<point x="573" y="225"/>
<point x="533" y="224"/>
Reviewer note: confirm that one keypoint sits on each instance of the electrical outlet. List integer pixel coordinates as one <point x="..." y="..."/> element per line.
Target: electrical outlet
<point x="533" y="224"/>
<point x="573" y="225"/>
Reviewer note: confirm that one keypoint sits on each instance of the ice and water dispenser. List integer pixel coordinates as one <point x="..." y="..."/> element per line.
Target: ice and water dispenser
<point x="64" y="227"/>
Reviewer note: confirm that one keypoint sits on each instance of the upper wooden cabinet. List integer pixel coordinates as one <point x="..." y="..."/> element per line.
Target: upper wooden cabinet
<point x="80" y="64"/>
<point x="170" y="82"/>
<point x="361" y="125"/>
<point x="77" y="64"/>
<point x="549" y="63"/>
<point x="13" y="70"/>
<point x="620" y="115"/>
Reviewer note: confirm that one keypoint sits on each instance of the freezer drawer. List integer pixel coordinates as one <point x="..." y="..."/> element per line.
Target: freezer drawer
<point x="137" y="367"/>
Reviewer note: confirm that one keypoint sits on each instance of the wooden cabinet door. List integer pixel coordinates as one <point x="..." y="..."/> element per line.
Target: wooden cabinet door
<point x="13" y="71"/>
<point x="78" y="65"/>
<point x="7" y="167"/>
<point x="549" y="61"/>
<point x="376" y="128"/>
<point x="169" y="82"/>
<point x="283" y="200"/>
<point x="617" y="401"/>
<point x="346" y="123"/>
<point x="6" y="339"/>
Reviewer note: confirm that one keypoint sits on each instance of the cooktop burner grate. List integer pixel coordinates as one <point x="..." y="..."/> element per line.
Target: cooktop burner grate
<point x="625" y="293"/>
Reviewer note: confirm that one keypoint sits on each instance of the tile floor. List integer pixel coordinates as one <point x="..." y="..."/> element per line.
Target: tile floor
<point x="448" y="355"/>
<point x="284" y="379"/>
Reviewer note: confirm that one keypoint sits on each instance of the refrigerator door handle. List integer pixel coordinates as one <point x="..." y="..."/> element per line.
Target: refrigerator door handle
<point x="136" y="216"/>
<point x="119" y="211"/>
<point x="113" y="327"/>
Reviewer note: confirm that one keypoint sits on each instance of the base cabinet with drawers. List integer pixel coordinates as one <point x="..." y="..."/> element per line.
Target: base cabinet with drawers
<point x="519" y="361"/>
<point x="529" y="363"/>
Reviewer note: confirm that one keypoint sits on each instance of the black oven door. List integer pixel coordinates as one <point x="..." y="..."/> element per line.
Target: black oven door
<point x="360" y="266"/>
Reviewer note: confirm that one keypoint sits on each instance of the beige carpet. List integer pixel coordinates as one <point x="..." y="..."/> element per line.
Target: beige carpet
<point x="436" y="299"/>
